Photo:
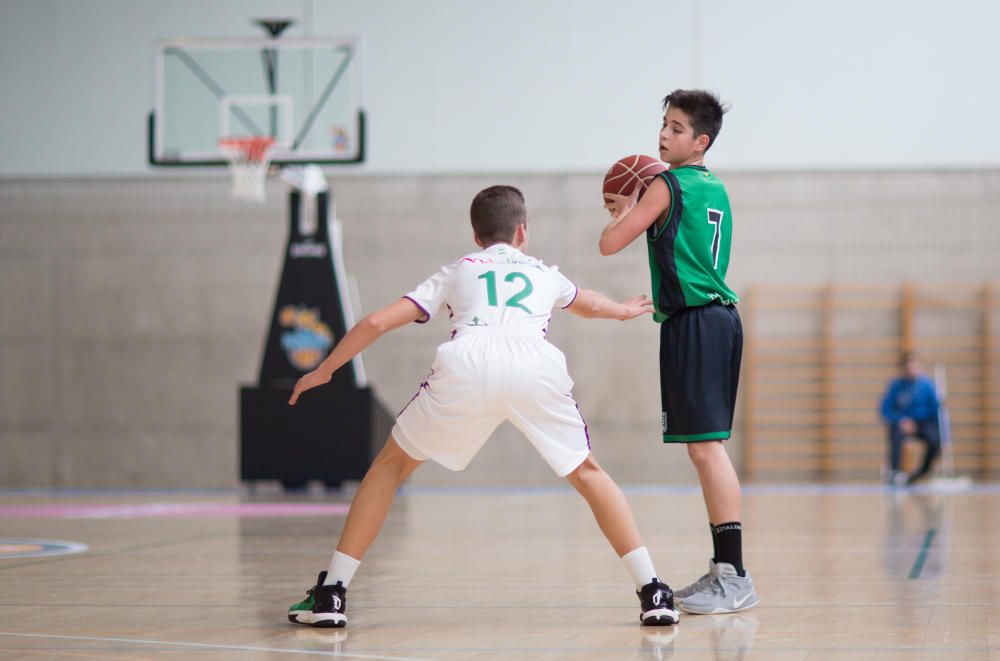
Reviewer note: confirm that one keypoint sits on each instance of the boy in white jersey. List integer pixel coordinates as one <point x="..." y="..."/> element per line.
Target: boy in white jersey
<point x="497" y="366"/>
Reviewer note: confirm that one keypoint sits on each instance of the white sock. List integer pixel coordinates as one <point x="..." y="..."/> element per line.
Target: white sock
<point x="342" y="568"/>
<point x="639" y="566"/>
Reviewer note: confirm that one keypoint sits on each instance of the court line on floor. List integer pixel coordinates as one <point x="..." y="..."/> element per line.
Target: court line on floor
<point x="636" y="488"/>
<point x="797" y="606"/>
<point x="650" y="646"/>
<point x="694" y="489"/>
<point x="918" y="565"/>
<point x="119" y="491"/>
<point x="214" y="646"/>
<point x="184" y="510"/>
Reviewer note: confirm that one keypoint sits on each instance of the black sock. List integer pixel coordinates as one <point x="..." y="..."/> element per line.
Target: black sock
<point x="728" y="540"/>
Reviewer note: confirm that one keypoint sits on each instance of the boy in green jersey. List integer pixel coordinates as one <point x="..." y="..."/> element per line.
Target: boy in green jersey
<point x="685" y="216"/>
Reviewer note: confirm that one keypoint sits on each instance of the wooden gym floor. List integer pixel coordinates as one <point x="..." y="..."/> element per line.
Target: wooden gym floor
<point x="844" y="572"/>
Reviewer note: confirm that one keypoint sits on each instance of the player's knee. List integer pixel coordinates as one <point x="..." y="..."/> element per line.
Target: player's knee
<point x="394" y="459"/>
<point x="704" y="453"/>
<point x="586" y="473"/>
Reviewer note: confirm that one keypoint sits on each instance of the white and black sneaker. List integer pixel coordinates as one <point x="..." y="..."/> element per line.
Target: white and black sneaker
<point x="323" y="606"/>
<point x="657" y="603"/>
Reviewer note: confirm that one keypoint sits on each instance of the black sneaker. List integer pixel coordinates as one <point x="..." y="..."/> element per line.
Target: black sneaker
<point x="323" y="607"/>
<point x="657" y="602"/>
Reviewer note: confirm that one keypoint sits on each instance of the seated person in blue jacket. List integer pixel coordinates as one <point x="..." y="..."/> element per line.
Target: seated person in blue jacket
<point x="910" y="408"/>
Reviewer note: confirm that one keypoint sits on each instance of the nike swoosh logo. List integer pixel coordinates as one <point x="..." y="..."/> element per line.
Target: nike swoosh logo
<point x="739" y="602"/>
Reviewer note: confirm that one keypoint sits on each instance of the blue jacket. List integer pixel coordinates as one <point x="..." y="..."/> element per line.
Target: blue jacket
<point x="910" y="398"/>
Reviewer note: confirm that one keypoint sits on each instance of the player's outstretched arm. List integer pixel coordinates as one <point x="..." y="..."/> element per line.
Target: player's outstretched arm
<point x="632" y="217"/>
<point x="364" y="333"/>
<point x="594" y="305"/>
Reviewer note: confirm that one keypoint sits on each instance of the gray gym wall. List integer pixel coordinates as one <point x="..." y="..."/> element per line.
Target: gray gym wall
<point x="133" y="303"/>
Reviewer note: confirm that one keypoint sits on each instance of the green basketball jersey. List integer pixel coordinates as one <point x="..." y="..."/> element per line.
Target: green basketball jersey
<point x="689" y="253"/>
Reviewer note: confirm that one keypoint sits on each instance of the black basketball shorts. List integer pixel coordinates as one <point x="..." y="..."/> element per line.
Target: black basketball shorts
<point x="700" y="353"/>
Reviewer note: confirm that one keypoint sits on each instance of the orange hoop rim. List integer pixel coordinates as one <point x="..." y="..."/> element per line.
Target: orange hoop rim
<point x="254" y="148"/>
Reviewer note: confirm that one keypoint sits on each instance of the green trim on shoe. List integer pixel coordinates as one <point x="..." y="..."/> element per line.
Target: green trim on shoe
<point x="301" y="613"/>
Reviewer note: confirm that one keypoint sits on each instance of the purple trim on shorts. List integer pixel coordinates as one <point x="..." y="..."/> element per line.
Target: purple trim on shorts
<point x="575" y="294"/>
<point x="586" y="430"/>
<point x="423" y="385"/>
<point x="451" y="315"/>
<point x="422" y="309"/>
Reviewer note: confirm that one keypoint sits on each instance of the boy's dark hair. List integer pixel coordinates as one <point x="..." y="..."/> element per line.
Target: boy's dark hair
<point x="703" y="108"/>
<point x="496" y="212"/>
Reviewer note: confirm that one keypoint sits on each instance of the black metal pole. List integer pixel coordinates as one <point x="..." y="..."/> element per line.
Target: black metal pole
<point x="274" y="27"/>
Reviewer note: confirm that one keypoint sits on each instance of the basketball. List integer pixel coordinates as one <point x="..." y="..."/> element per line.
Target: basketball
<point x="626" y="173"/>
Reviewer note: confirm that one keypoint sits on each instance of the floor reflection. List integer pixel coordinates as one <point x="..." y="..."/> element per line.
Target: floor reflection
<point x="729" y="636"/>
<point x="918" y="534"/>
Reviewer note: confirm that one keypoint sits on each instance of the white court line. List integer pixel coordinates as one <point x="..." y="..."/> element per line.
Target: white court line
<point x="246" y="648"/>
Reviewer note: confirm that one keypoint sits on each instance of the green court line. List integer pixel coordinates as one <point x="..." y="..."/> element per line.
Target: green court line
<point x="918" y="566"/>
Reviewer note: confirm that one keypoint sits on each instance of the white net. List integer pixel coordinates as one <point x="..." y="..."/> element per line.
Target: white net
<point x="249" y="159"/>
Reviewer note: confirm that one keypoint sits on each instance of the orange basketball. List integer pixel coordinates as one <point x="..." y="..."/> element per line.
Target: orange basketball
<point x="628" y="172"/>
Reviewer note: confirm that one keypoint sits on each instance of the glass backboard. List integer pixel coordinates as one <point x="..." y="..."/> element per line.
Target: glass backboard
<point x="303" y="92"/>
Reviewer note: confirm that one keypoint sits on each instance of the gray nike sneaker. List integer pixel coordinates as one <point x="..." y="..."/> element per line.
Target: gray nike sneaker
<point x="684" y="593"/>
<point x="724" y="592"/>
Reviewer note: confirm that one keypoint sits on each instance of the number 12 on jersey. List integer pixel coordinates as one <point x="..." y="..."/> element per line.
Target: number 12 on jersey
<point x="514" y="301"/>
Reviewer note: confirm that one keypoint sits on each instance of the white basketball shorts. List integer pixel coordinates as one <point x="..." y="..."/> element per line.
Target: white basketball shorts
<point x="482" y="378"/>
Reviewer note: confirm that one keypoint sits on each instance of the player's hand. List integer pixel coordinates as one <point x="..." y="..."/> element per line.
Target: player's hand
<point x="908" y="426"/>
<point x="619" y="205"/>
<point x="308" y="382"/>
<point x="636" y="306"/>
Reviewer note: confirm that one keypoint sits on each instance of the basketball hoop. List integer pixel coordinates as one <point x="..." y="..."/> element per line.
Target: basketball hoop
<point x="248" y="159"/>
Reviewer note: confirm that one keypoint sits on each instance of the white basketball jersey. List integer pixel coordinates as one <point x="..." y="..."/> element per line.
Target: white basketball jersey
<point x="499" y="288"/>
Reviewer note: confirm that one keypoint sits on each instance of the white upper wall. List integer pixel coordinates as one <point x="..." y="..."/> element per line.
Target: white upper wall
<point x="540" y="85"/>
